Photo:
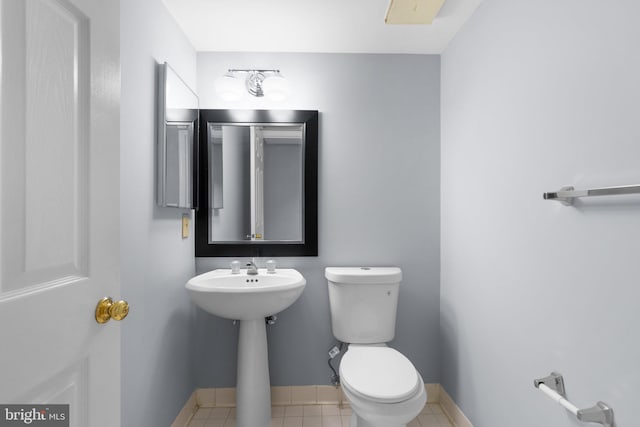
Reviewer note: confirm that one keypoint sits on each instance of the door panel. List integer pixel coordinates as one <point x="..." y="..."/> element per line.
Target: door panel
<point x="59" y="205"/>
<point x="68" y="387"/>
<point x="57" y="91"/>
<point x="47" y="181"/>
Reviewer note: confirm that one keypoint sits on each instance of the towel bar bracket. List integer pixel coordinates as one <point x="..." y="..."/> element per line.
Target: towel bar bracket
<point x="554" y="381"/>
<point x="561" y="197"/>
<point x="599" y="413"/>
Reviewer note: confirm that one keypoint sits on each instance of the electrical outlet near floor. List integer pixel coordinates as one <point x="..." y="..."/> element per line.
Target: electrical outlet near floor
<point x="186" y="218"/>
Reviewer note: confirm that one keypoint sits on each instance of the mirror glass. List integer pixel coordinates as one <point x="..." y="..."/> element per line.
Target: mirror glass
<point x="177" y="132"/>
<point x="258" y="176"/>
<point x="256" y="182"/>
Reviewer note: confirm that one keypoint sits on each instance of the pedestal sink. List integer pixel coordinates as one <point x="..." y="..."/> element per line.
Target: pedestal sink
<point x="249" y="299"/>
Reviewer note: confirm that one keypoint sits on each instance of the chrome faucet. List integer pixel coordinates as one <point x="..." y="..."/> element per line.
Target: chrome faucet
<point x="252" y="270"/>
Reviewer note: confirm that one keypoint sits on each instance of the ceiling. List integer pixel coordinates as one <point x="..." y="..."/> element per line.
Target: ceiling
<point x="346" y="26"/>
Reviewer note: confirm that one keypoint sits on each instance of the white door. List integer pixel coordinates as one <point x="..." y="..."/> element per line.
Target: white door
<point x="59" y="205"/>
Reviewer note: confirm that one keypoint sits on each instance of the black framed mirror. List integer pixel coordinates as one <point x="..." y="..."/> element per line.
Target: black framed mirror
<point x="258" y="184"/>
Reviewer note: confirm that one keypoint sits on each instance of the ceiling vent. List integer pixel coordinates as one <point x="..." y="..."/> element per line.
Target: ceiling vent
<point x="412" y="12"/>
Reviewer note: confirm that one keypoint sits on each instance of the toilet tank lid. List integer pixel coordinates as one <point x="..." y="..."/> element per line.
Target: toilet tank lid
<point x="363" y="274"/>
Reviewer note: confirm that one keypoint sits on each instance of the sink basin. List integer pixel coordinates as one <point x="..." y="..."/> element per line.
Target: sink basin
<point x="249" y="298"/>
<point x="246" y="297"/>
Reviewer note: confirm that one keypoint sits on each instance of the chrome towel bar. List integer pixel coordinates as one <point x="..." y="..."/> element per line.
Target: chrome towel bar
<point x="553" y="387"/>
<point x="566" y="195"/>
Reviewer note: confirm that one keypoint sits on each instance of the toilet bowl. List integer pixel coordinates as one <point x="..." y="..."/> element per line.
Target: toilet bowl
<point x="381" y="384"/>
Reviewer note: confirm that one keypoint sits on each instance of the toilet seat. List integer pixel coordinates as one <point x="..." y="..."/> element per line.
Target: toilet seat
<point x="380" y="374"/>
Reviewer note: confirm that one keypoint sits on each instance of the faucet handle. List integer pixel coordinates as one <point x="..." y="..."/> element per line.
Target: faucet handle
<point x="235" y="267"/>
<point x="271" y="266"/>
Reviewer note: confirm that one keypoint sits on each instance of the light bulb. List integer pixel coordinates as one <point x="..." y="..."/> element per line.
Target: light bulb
<point x="229" y="87"/>
<point x="276" y="88"/>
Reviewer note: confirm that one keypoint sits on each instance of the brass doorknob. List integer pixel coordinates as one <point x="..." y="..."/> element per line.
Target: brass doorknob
<point x="107" y="310"/>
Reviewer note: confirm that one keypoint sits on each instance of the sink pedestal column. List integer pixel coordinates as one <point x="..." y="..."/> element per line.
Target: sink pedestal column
<point x="253" y="388"/>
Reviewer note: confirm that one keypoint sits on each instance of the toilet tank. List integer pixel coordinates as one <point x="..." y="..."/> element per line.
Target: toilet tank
<point x="363" y="303"/>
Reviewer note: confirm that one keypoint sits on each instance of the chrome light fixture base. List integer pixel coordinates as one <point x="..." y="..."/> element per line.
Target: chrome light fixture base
<point x="257" y="82"/>
<point x="254" y="83"/>
<point x="254" y="79"/>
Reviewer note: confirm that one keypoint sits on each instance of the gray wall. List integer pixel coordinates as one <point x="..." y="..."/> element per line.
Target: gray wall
<point x="535" y="96"/>
<point x="379" y="185"/>
<point x="157" y="372"/>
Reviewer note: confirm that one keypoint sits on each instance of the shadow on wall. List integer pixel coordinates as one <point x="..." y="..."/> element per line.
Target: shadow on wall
<point x="172" y="350"/>
<point x="215" y="364"/>
<point x="450" y="352"/>
<point x="616" y="205"/>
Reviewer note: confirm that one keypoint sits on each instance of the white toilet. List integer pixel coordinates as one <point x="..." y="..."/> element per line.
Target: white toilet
<point x="381" y="384"/>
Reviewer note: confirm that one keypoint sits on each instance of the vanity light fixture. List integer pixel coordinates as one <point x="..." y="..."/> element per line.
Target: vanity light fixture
<point x="259" y="83"/>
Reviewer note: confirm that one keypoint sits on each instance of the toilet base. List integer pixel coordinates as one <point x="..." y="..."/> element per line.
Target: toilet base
<point x="357" y="421"/>
<point x="397" y="414"/>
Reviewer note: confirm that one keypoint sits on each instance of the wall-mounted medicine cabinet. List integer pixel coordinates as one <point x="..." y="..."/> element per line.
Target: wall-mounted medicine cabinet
<point x="177" y="154"/>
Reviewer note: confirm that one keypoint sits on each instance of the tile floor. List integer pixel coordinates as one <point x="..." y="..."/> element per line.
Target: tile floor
<point x="310" y="416"/>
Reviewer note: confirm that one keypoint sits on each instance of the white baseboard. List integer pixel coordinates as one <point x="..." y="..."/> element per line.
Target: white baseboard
<point x="306" y="395"/>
